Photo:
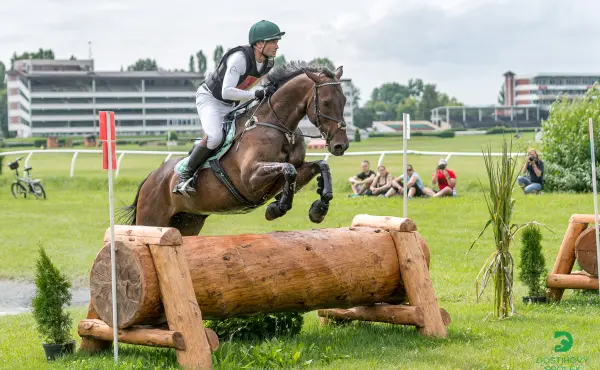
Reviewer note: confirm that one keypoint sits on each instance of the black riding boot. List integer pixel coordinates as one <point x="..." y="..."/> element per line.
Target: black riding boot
<point x="199" y="154"/>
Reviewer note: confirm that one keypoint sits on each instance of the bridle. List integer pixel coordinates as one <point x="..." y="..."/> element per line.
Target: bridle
<point x="341" y="124"/>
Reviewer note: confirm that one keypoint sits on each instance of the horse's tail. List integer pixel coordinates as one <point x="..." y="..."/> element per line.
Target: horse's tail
<point x="128" y="214"/>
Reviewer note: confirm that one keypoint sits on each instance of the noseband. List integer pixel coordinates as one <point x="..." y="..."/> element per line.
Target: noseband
<point x="341" y="124"/>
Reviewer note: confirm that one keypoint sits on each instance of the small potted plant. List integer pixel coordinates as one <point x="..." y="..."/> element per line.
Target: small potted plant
<point x="52" y="296"/>
<point x="532" y="265"/>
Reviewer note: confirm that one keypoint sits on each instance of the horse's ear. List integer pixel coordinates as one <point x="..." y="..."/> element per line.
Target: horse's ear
<point x="312" y="76"/>
<point x="339" y="72"/>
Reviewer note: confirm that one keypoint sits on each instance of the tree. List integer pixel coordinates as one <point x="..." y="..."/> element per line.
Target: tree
<point x="144" y="65"/>
<point x="566" y="143"/>
<point x="280" y="60"/>
<point x="410" y="106"/>
<point x="3" y="103"/>
<point x="72" y="57"/>
<point x="201" y="59"/>
<point x="40" y="54"/>
<point x="324" y="62"/>
<point x="363" y="117"/>
<point x="192" y="65"/>
<point x="501" y="100"/>
<point x="217" y="55"/>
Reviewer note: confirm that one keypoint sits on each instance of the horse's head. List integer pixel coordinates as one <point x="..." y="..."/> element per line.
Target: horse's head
<point x="325" y="110"/>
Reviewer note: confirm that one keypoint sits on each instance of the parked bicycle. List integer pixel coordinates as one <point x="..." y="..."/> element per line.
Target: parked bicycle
<point x="25" y="185"/>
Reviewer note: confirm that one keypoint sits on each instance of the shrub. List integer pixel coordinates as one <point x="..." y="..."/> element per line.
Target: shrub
<point x="258" y="327"/>
<point x="506" y="130"/>
<point x="357" y="136"/>
<point x="532" y="265"/>
<point x="174" y="136"/>
<point x="52" y="296"/>
<point x="39" y="142"/>
<point x="566" y="145"/>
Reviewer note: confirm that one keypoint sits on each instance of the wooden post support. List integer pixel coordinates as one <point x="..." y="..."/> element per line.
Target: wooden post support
<point x="90" y="344"/>
<point x="417" y="282"/>
<point x="566" y="255"/>
<point x="181" y="308"/>
<point x="392" y="314"/>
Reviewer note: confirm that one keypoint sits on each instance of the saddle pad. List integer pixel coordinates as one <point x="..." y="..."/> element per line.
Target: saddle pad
<point x="229" y="128"/>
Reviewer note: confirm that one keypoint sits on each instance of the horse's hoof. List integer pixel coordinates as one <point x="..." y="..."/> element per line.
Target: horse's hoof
<point x="318" y="211"/>
<point x="273" y="211"/>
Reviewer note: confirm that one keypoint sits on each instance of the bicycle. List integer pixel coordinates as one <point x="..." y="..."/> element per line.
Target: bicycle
<point x="25" y="185"/>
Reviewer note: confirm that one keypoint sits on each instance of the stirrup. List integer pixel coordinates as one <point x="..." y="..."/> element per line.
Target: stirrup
<point x="184" y="188"/>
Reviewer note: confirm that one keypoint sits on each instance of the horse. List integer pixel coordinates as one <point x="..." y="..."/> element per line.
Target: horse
<point x="265" y="161"/>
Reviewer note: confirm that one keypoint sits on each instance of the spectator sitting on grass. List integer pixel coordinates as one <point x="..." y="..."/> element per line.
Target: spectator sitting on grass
<point x="416" y="187"/>
<point x="444" y="178"/>
<point x="361" y="183"/>
<point x="382" y="182"/>
<point x="535" y="166"/>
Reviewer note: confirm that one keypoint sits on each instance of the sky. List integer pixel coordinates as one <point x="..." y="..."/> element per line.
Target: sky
<point x="462" y="46"/>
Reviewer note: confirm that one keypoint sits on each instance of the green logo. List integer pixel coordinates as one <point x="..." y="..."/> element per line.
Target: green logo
<point x="565" y="344"/>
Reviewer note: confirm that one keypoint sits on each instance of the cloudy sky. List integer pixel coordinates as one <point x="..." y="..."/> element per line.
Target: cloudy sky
<point x="463" y="46"/>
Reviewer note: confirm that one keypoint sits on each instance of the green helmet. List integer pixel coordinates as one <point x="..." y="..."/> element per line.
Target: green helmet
<point x="264" y="31"/>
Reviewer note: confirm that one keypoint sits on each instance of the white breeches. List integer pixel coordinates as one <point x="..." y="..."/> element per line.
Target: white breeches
<point x="211" y="112"/>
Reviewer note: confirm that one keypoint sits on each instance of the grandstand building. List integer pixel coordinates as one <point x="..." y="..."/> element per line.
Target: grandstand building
<point x="63" y="97"/>
<point x="545" y="88"/>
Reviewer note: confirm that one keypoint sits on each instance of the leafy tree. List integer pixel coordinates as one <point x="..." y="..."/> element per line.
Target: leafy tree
<point x="144" y="65"/>
<point x="191" y="64"/>
<point x="324" y="62"/>
<point x="217" y="55"/>
<point x="280" y="60"/>
<point x="410" y="105"/>
<point x="566" y="144"/>
<point x="201" y="59"/>
<point x="3" y="103"/>
<point x="501" y="100"/>
<point x="72" y="57"/>
<point x="40" y="54"/>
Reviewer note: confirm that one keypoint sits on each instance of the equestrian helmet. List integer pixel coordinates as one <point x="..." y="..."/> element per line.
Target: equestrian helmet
<point x="264" y="31"/>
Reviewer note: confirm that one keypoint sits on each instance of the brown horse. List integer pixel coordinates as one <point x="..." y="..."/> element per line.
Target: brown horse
<point x="266" y="160"/>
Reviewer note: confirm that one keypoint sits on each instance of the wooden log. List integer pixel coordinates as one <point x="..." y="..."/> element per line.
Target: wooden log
<point x="384" y="222"/>
<point x="572" y="281"/>
<point x="146" y="234"/>
<point x="148" y="337"/>
<point x="137" y="284"/>
<point x="392" y="314"/>
<point x="181" y="308"/>
<point x="582" y="219"/>
<point x="566" y="255"/>
<point x="250" y="274"/>
<point x="417" y="283"/>
<point x="91" y="344"/>
<point x="585" y="251"/>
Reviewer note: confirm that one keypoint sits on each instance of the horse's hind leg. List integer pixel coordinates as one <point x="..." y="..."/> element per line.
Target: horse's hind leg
<point x="306" y="172"/>
<point x="188" y="224"/>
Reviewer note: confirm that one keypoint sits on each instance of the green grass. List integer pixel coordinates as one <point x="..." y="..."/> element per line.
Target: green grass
<point x="71" y="223"/>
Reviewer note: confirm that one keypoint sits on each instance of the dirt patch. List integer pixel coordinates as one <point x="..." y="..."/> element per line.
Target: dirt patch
<point x="16" y="297"/>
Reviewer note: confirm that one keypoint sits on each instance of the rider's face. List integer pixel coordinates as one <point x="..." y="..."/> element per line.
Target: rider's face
<point x="270" y="48"/>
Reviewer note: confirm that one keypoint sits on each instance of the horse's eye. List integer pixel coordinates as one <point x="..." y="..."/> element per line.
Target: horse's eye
<point x="325" y="103"/>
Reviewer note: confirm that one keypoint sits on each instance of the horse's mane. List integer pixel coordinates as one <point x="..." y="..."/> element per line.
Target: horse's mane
<point x="279" y="75"/>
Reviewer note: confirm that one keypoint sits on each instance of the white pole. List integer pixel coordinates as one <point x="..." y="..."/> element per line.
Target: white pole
<point x="405" y="130"/>
<point x="591" y="126"/>
<point x="112" y="238"/>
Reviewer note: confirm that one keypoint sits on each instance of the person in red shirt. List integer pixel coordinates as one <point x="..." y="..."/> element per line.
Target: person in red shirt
<point x="444" y="178"/>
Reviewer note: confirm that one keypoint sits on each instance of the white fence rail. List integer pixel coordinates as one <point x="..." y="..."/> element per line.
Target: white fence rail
<point x="168" y="155"/>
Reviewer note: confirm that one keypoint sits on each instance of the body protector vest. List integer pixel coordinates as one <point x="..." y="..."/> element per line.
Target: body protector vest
<point x="251" y="77"/>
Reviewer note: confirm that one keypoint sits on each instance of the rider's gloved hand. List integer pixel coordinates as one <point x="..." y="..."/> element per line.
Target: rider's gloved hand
<point x="264" y="93"/>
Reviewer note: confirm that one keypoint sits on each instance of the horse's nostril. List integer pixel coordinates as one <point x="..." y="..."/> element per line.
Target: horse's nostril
<point x="338" y="147"/>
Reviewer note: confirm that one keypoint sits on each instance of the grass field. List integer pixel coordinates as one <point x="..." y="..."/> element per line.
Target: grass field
<point x="71" y="223"/>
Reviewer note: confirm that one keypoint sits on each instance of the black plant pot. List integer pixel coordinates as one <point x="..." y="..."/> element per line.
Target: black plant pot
<point x="535" y="299"/>
<point x="54" y="350"/>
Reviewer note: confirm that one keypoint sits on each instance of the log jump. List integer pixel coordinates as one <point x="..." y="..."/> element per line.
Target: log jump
<point x="375" y="270"/>
<point x="579" y="244"/>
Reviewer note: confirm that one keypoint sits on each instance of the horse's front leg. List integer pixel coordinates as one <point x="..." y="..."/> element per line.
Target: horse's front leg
<point x="267" y="172"/>
<point x="308" y="170"/>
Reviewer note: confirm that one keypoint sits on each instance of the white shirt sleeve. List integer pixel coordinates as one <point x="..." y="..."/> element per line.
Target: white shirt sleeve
<point x="236" y="67"/>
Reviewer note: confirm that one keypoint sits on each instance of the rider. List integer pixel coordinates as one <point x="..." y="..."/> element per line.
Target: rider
<point x="239" y="70"/>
